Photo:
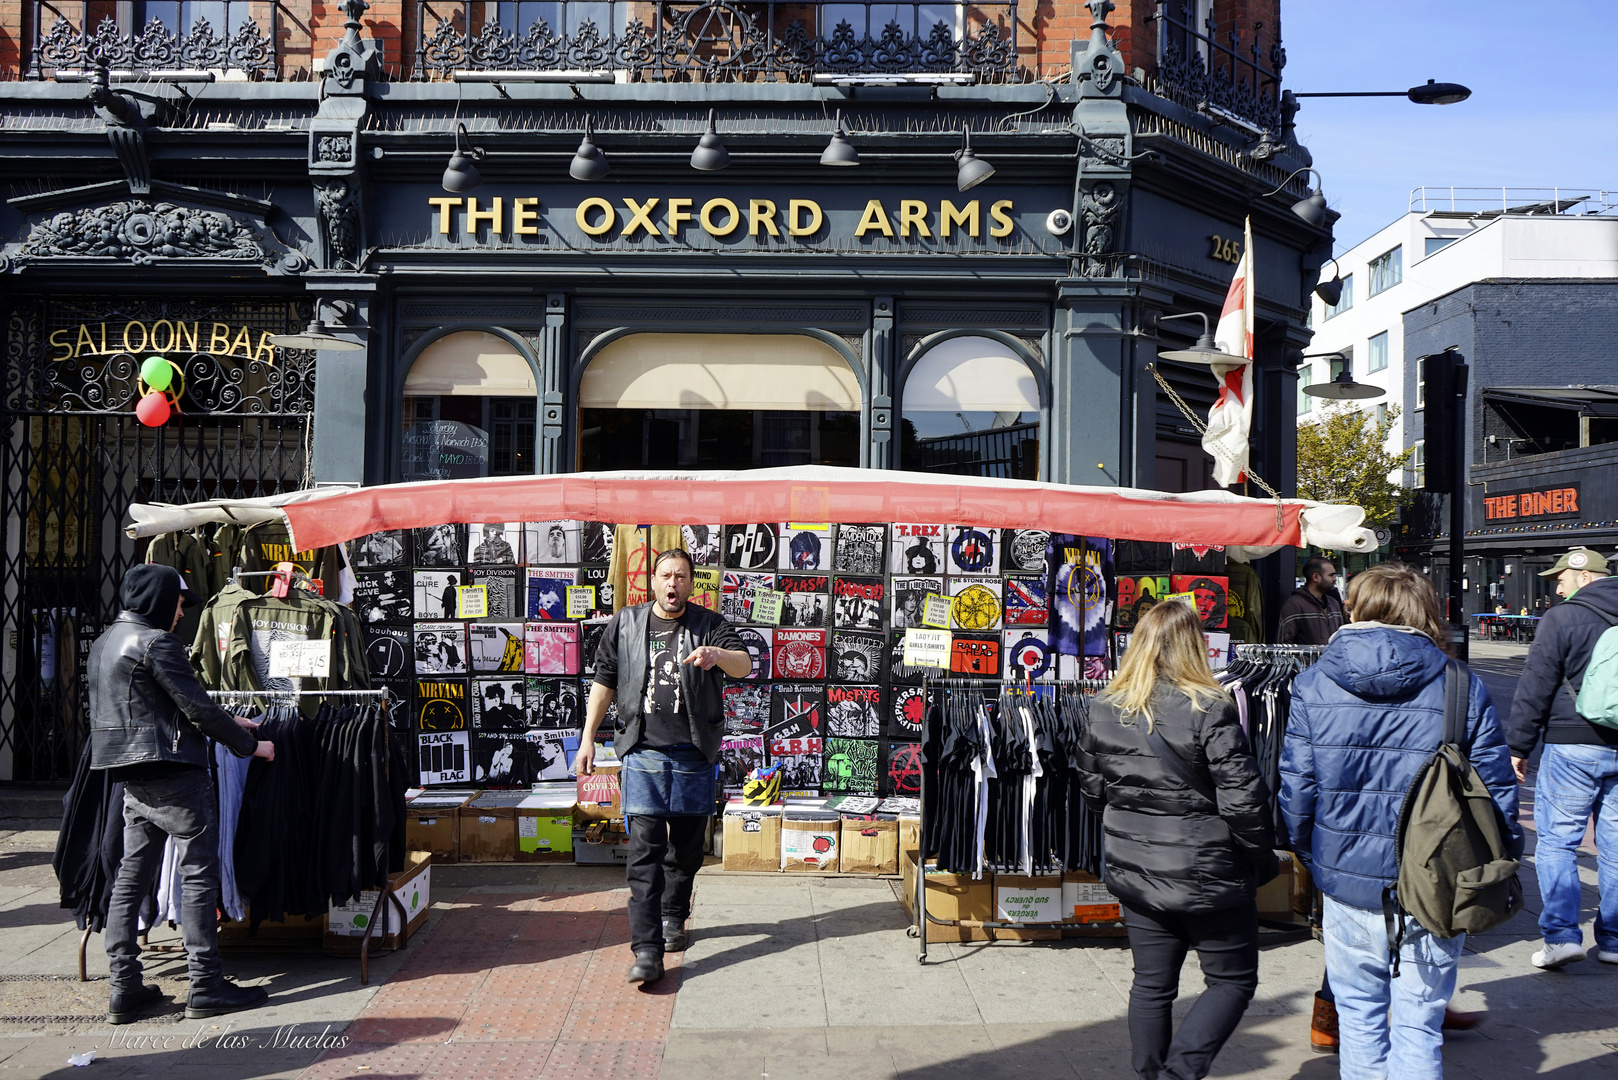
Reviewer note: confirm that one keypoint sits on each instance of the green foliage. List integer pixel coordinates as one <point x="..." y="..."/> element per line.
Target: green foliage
<point x="1343" y="458"/>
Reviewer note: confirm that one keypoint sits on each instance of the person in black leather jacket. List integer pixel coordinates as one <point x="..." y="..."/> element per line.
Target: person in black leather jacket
<point x="1188" y="838"/>
<point x="150" y="726"/>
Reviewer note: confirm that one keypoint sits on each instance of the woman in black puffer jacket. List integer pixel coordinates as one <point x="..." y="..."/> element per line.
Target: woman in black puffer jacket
<point x="1186" y="847"/>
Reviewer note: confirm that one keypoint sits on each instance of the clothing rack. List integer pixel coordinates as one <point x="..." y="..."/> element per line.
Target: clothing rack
<point x="1263" y="652"/>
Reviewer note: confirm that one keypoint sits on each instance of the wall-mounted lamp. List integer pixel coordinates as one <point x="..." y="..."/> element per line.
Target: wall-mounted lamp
<point x="839" y="151"/>
<point x="973" y="170"/>
<point x="589" y="163"/>
<point x="461" y="175"/>
<point x="710" y="154"/>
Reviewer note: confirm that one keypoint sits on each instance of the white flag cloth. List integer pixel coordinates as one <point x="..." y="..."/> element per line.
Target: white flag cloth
<point x="1230" y="420"/>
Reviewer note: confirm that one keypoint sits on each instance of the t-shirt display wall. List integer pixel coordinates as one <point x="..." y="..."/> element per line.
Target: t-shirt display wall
<point x="490" y="631"/>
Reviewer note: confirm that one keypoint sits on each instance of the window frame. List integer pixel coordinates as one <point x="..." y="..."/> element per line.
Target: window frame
<point x="1345" y="302"/>
<point x="1418" y="463"/>
<point x="1371" y="352"/>
<point x="1306" y="375"/>
<point x="1389" y="264"/>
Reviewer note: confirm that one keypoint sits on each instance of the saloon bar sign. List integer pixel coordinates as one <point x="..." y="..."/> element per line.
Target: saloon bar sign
<point x="1539" y="503"/>
<point x="136" y="336"/>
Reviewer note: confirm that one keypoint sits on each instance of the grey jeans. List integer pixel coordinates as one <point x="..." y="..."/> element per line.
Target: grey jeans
<point x="181" y="806"/>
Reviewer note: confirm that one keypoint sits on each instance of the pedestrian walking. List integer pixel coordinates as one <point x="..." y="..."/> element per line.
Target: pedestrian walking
<point x="1313" y="613"/>
<point x="1363" y="722"/>
<point x="1578" y="770"/>
<point x="1188" y="838"/>
<point x="150" y="725"/>
<point x="664" y="662"/>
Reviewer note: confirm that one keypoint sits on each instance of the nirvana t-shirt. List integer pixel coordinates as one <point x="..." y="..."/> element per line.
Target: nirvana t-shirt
<point x="667" y="722"/>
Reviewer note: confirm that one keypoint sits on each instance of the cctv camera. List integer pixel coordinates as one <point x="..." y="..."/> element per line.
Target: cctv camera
<point x="1058" y="222"/>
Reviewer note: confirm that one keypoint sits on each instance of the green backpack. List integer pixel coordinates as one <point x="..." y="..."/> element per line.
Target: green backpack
<point x="1456" y="874"/>
<point x="1597" y="700"/>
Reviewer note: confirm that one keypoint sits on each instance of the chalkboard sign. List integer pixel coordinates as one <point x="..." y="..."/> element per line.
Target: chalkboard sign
<point x="445" y="450"/>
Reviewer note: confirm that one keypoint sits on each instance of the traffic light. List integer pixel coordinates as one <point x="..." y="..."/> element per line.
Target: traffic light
<point x="1444" y="376"/>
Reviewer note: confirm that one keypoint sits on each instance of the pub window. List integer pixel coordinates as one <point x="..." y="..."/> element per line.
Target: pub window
<point x="182" y="16"/>
<point x="1421" y="382"/>
<point x="971" y="408"/>
<point x="469" y="410"/>
<point x="718" y="401"/>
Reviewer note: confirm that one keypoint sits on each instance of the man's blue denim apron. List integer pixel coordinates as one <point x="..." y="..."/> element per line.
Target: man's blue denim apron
<point x="675" y="781"/>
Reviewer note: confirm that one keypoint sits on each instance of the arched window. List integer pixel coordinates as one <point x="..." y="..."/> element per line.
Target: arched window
<point x="971" y="407"/>
<point x="718" y="401"/>
<point x="469" y="409"/>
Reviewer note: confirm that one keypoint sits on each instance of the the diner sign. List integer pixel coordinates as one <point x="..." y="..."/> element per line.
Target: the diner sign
<point x="1545" y="502"/>
<point x="139" y="336"/>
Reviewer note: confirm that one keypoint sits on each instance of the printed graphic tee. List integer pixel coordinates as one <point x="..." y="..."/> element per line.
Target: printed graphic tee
<point x="666" y="723"/>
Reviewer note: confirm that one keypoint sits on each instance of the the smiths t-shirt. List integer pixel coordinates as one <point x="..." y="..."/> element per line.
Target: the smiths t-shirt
<point x="666" y="722"/>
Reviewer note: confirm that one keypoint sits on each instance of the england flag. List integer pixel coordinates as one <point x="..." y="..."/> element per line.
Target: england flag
<point x="1230" y="420"/>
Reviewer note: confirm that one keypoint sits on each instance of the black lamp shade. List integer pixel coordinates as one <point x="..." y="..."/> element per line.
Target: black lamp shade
<point x="1330" y="291"/>
<point x="589" y="163"/>
<point x="710" y="154"/>
<point x="1344" y="388"/>
<point x="1312" y="209"/>
<point x="461" y="175"/>
<point x="315" y="336"/>
<point x="1438" y="93"/>
<point x="839" y="151"/>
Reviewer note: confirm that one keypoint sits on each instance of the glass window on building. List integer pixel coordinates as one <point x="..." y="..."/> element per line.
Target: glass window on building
<point x="1418" y="464"/>
<point x="718" y="401"/>
<point x="1381" y="414"/>
<point x="1306" y="377"/>
<point x="1421" y="382"/>
<point x="1376" y="352"/>
<point x="470" y="404"/>
<point x="1433" y="244"/>
<point x="971" y="408"/>
<point x="1345" y="301"/>
<point x="1387" y="270"/>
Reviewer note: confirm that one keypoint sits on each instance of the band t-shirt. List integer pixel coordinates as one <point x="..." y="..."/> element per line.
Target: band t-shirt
<point x="666" y="721"/>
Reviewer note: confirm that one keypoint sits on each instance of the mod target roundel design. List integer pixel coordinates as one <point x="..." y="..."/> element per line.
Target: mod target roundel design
<point x="1030" y="658"/>
<point x="972" y="551"/>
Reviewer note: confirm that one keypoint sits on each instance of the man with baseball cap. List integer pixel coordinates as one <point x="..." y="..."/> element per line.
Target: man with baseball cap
<point x="1578" y="771"/>
<point x="150" y="726"/>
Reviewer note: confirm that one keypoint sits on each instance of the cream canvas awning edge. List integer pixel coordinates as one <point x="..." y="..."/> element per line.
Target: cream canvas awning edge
<point x="1246" y="527"/>
<point x="786" y="372"/>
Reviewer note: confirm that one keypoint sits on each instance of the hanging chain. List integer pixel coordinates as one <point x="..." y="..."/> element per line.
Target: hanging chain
<point x="1202" y="429"/>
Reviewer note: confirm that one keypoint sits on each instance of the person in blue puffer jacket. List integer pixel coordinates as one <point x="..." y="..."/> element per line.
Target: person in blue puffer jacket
<point x="1363" y="721"/>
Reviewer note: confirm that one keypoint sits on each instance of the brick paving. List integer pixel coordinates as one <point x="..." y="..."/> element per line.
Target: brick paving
<point x="514" y="986"/>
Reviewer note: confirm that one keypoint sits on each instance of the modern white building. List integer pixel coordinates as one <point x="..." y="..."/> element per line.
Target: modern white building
<point x="1450" y="238"/>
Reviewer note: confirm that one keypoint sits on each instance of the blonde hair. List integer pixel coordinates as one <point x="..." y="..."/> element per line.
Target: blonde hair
<point x="1167" y="646"/>
<point x="1396" y="594"/>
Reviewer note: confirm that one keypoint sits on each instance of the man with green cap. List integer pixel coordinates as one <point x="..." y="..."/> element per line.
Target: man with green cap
<point x="1578" y="772"/>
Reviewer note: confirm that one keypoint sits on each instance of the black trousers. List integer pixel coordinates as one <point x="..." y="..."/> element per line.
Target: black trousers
<point x="1227" y="944"/>
<point x="665" y="853"/>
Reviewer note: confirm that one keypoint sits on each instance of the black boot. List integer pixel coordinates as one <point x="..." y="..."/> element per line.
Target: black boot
<point x="223" y="998"/>
<point x="648" y="967"/>
<point x="126" y="1008"/>
<point x="675" y="935"/>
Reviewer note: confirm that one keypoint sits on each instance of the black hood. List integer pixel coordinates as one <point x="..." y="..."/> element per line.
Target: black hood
<point x="1601" y="594"/>
<point x="151" y="591"/>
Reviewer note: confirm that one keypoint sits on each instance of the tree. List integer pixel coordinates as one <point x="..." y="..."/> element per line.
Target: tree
<point x="1343" y="458"/>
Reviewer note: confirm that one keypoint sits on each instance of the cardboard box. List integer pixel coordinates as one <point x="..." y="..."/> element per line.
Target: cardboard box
<point x="611" y="849"/>
<point x="489" y="827"/>
<point x="1022" y="899"/>
<point x="433" y="823"/>
<point x="545" y="825"/>
<point x="1085" y="900"/>
<point x="752" y="837"/>
<point x="869" y="845"/>
<point x="1275" y="897"/>
<point x="951" y="898"/>
<point x="809" y="841"/>
<point x="909" y="832"/>
<point x="345" y="925"/>
<point x="599" y="796"/>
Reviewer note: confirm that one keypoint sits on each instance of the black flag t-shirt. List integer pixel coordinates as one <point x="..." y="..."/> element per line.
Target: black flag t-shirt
<point x="667" y="722"/>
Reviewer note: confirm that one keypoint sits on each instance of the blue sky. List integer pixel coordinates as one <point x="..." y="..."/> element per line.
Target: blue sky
<point x="1544" y="82"/>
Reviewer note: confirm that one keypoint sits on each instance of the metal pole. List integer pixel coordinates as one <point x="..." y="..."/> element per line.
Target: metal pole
<point x="1457" y="506"/>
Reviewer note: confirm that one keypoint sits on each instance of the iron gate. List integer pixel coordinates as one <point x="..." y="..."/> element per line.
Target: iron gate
<point x="74" y="458"/>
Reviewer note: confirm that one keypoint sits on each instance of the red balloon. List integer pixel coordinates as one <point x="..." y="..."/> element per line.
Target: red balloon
<point x="153" y="409"/>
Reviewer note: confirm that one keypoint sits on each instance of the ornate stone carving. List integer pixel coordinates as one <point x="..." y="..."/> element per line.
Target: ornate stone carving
<point x="335" y="148"/>
<point x="1100" y="205"/>
<point x="144" y="232"/>
<point x="339" y="224"/>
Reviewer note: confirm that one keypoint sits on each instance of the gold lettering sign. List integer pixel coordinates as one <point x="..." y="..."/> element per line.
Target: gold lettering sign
<point x="163" y="336"/>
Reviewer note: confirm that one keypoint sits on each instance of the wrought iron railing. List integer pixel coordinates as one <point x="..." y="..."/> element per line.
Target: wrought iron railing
<point x="1008" y="453"/>
<point x="717" y="40"/>
<point x="1237" y="72"/>
<point x="152" y="36"/>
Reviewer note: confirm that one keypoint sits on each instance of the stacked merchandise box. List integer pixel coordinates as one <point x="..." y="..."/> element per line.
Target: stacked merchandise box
<point x="603" y="843"/>
<point x="1085" y="900"/>
<point x="545" y="824"/>
<point x="345" y="924"/>
<point x="752" y="836"/>
<point x="869" y="844"/>
<point x="810" y="839"/>
<point x="489" y="827"/>
<point x="433" y="822"/>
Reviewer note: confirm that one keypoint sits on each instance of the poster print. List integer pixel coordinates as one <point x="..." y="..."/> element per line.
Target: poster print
<point x="973" y="549"/>
<point x="1080" y="568"/>
<point x="861" y="550"/>
<point x="384" y="550"/>
<point x="706" y="582"/>
<point x="553" y="704"/>
<point x="856" y="657"/>
<point x="975" y="655"/>
<point x="595" y="542"/>
<point x="808" y="602"/>
<point x="552" y="543"/>
<point x="900" y="672"/>
<point x="739" y="755"/>
<point x="795" y="736"/>
<point x="704" y="543"/>
<point x="440" y="545"/>
<point x="799" y="654"/>
<point x="975" y="604"/>
<point x="1212" y="595"/>
<point x="858" y="603"/>
<point x="500" y="585"/>
<point x="1027" y="656"/>
<point x="850" y="766"/>
<point x="901" y="769"/>
<point x="547" y="592"/>
<point x="440" y="648"/>
<point x="441" y="705"/>
<point x="551" y="648"/>
<point x="1200" y="560"/>
<point x="750" y="547"/>
<point x="1022" y="551"/>
<point x="516" y="759"/>
<point x="435" y="596"/>
<point x="747" y="708"/>
<point x="590" y="632"/>
<point x="1137" y="596"/>
<point x="389" y="652"/>
<point x="758" y="644"/>
<point x="909" y="596"/>
<point x="495" y="647"/>
<point x="736" y="592"/>
<point x="854" y="712"/>
<point x="495" y="544"/>
<point x="907" y="712"/>
<point x="382" y="596"/>
<point x="444" y="757"/>
<point x="1026" y="602"/>
<point x="916" y="549"/>
<point x="804" y="546"/>
<point x="497" y="705"/>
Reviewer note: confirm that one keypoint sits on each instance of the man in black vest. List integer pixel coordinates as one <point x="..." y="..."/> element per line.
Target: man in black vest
<point x="664" y="663"/>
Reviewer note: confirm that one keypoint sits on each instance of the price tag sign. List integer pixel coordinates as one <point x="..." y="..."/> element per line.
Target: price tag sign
<point x="471" y="601"/>
<point x="935" y="610"/>
<point x="300" y="659"/>
<point x="767" y="606"/>
<point x="581" y="600"/>
<point x="927" y="648"/>
<point x="1183" y="597"/>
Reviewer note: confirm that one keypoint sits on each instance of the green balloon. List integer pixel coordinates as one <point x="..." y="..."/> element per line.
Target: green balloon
<point x="157" y="373"/>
